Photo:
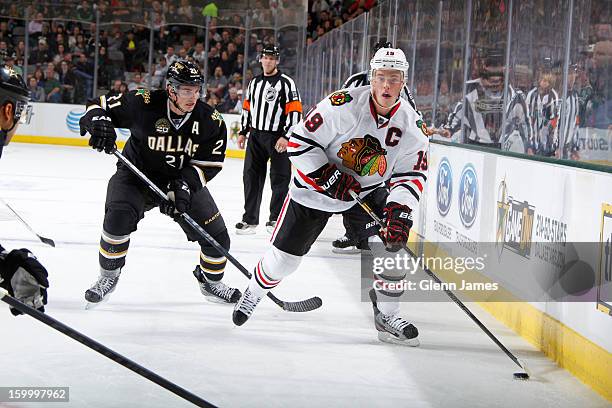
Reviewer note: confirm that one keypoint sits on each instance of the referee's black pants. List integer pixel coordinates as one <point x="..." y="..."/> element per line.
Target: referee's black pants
<point x="260" y="149"/>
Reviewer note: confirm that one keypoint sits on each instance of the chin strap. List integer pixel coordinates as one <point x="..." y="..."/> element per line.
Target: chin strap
<point x="174" y="101"/>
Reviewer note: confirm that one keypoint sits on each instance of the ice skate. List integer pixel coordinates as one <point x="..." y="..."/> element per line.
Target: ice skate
<point x="270" y="225"/>
<point x="245" y="307"/>
<point x="345" y="245"/>
<point x="216" y="292"/>
<point x="393" y="329"/>
<point x="102" y="288"/>
<point x="242" y="228"/>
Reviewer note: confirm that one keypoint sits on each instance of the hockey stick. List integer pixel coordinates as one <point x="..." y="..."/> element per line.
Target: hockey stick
<point x="102" y="349"/>
<point x="524" y="375"/>
<point x="300" y="306"/>
<point x="47" y="241"/>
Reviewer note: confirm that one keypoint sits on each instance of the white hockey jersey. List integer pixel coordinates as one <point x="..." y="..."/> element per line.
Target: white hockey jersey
<point x="344" y="129"/>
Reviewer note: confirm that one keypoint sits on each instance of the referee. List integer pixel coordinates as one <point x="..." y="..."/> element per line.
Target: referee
<point x="271" y="106"/>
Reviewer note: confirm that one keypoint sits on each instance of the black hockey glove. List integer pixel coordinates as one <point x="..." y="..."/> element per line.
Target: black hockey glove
<point x="24" y="278"/>
<point x="398" y="221"/>
<point x="179" y="198"/>
<point x="335" y="183"/>
<point x="100" y="127"/>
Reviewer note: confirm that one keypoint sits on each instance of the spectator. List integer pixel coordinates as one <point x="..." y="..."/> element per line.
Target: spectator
<point x="60" y="55"/>
<point x="170" y="55"/>
<point x="84" y="70"/>
<point x="5" y="33"/>
<point x="5" y="52"/>
<point x="40" y="77"/>
<point x="185" y="11"/>
<point x="84" y="11"/>
<point x="239" y="65"/>
<point x="42" y="54"/>
<point x="20" y="50"/>
<point x="182" y="54"/>
<point x="123" y="88"/>
<point x="129" y="49"/>
<point x="37" y="93"/>
<point x="217" y="83"/>
<point x="226" y="64"/>
<point x="213" y="60"/>
<point x="136" y="82"/>
<point x="52" y="85"/>
<point x="212" y="100"/>
<point x="232" y="102"/>
<point x="35" y="27"/>
<point x="68" y="81"/>
<point x="104" y="68"/>
<point x="161" y="69"/>
<point x="116" y="89"/>
<point x="210" y="10"/>
<point x="198" y="53"/>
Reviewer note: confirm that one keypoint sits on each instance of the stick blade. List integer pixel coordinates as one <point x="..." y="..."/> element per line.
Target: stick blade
<point x="47" y="241"/>
<point x="306" y="305"/>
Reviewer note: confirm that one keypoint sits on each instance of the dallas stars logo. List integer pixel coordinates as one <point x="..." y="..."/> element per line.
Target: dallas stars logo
<point x="145" y="93"/>
<point x="217" y="116"/>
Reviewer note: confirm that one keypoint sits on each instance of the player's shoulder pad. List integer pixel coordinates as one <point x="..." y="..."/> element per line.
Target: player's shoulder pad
<point x="208" y="113"/>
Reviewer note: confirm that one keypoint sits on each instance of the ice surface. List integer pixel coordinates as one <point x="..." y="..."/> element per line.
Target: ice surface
<point x="158" y="318"/>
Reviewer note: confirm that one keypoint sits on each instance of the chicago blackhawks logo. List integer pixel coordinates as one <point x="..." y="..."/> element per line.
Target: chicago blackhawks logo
<point x="340" y="98"/>
<point x="364" y="155"/>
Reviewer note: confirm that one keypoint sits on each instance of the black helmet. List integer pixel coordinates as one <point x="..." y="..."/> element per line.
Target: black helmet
<point x="270" y="50"/>
<point x="183" y="72"/>
<point x="13" y="89"/>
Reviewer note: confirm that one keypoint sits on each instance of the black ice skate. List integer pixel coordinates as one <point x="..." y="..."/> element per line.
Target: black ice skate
<point x="245" y="306"/>
<point x="270" y="225"/>
<point x="345" y="245"/>
<point x="217" y="292"/>
<point x="242" y="228"/>
<point x="102" y="288"/>
<point x="393" y="329"/>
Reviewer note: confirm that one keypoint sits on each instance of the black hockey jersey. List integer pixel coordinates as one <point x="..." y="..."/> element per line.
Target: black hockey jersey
<point x="166" y="146"/>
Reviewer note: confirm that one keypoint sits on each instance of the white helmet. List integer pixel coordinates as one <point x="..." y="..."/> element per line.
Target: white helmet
<point x="389" y="58"/>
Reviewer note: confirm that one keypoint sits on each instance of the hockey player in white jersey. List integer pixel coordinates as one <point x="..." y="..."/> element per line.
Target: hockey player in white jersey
<point x="356" y="140"/>
<point x="350" y="242"/>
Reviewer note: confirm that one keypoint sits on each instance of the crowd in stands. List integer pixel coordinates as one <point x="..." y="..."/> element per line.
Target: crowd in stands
<point x="61" y="52"/>
<point x="61" y="48"/>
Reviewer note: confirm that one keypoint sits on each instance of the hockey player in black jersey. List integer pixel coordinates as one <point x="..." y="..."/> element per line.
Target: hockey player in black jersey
<point x="179" y="142"/>
<point x="21" y="274"/>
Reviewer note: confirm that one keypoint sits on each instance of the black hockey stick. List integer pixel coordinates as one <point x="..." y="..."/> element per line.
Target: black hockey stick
<point x="300" y="306"/>
<point x="524" y="375"/>
<point x="47" y="241"/>
<point x="102" y="349"/>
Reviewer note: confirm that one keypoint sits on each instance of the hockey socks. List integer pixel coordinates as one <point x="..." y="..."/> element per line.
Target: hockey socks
<point x="113" y="250"/>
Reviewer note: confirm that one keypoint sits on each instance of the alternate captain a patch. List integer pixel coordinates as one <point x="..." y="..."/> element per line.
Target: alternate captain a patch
<point x="365" y="156"/>
<point x="340" y="98"/>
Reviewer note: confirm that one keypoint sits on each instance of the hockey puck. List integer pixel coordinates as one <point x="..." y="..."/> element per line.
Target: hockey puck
<point x="520" y="376"/>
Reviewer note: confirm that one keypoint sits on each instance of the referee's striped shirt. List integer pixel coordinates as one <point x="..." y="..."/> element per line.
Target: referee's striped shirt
<point x="361" y="79"/>
<point x="271" y="104"/>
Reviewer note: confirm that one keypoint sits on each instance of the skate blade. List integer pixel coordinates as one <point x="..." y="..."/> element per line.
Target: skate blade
<point x="346" y="251"/>
<point x="93" y="305"/>
<point x="218" y="301"/>
<point x="246" y="232"/>
<point x="389" y="338"/>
